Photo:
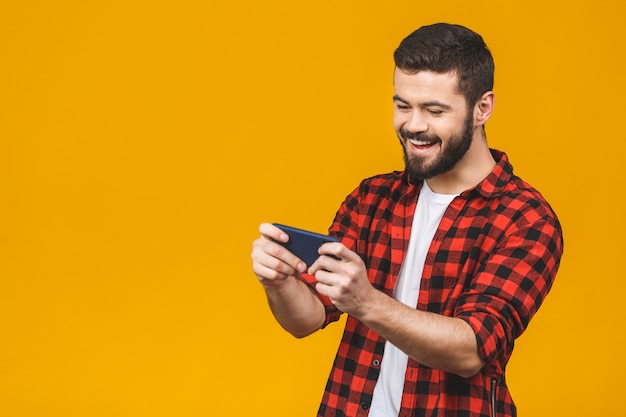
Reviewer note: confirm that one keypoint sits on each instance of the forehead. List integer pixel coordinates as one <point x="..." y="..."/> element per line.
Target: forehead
<point x="427" y="86"/>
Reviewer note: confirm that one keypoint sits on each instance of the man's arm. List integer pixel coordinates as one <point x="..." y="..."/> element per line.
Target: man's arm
<point x="294" y="305"/>
<point x="441" y="342"/>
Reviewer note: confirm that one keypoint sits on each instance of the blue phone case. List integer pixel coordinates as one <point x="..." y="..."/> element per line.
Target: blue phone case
<point x="304" y="244"/>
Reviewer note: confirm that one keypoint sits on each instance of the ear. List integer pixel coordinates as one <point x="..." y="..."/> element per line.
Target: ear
<point x="484" y="108"/>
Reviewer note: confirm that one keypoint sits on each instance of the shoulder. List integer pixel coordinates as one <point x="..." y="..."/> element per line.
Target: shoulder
<point x="383" y="184"/>
<point x="520" y="196"/>
<point x="523" y="212"/>
<point x="381" y="191"/>
<point x="511" y="196"/>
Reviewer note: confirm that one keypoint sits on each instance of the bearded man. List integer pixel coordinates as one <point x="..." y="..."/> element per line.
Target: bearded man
<point x="439" y="267"/>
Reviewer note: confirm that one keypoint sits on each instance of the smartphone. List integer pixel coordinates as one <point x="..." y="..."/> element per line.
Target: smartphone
<point x="304" y="244"/>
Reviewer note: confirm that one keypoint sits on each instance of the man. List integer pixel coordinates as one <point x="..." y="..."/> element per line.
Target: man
<point x="440" y="267"/>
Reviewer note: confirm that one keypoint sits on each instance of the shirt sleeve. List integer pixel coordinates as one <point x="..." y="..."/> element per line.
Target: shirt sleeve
<point x="511" y="285"/>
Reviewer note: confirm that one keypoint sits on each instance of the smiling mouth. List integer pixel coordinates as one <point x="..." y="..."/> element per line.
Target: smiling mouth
<point x="423" y="144"/>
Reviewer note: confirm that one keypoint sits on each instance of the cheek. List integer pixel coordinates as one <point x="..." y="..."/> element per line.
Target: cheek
<point x="398" y="120"/>
<point x="448" y="128"/>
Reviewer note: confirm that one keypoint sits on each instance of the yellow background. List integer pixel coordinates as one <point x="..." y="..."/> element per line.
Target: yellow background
<point x="142" y="142"/>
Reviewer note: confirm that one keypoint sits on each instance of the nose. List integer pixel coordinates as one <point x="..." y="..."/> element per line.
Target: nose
<point x="416" y="122"/>
<point x="411" y="121"/>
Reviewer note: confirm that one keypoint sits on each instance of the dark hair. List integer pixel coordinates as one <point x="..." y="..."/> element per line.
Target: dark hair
<point x="444" y="47"/>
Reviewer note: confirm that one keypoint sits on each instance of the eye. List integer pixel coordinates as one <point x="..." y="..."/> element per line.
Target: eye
<point x="402" y="106"/>
<point x="435" y="112"/>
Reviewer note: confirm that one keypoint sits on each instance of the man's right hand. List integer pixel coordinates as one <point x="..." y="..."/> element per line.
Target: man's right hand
<point x="271" y="262"/>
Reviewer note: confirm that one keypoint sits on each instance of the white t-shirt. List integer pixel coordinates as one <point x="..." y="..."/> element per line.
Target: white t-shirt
<point x="428" y="214"/>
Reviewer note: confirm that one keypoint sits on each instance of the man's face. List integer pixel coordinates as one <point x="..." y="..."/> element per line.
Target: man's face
<point x="432" y="122"/>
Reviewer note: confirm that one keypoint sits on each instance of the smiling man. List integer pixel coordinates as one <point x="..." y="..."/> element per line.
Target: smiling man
<point x="439" y="267"/>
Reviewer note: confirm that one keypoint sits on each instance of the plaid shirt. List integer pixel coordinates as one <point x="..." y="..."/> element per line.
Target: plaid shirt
<point x="491" y="263"/>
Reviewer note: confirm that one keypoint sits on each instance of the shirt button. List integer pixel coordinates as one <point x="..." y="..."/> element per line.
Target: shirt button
<point x="376" y="362"/>
<point x="365" y="405"/>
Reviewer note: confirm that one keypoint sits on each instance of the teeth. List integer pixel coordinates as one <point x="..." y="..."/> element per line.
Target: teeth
<point x="419" y="142"/>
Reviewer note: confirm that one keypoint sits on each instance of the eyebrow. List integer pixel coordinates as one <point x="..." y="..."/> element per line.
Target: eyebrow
<point x="426" y="104"/>
<point x="398" y="98"/>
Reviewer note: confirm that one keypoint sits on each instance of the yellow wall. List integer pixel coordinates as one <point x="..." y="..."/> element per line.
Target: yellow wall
<point x="142" y="142"/>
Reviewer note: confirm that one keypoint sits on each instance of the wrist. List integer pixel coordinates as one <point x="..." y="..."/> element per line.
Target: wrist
<point x="371" y="307"/>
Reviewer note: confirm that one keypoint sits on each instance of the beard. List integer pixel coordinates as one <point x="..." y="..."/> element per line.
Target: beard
<point x="455" y="149"/>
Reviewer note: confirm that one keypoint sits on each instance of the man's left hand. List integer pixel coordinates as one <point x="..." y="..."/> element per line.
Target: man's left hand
<point x="341" y="276"/>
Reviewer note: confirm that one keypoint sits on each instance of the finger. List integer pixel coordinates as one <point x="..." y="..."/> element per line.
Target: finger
<point x="324" y="289"/>
<point x="326" y="277"/>
<point x="324" y="263"/>
<point x="266" y="274"/>
<point x="275" y="256"/>
<point x="338" y="250"/>
<point x="326" y="286"/>
<point x="270" y="231"/>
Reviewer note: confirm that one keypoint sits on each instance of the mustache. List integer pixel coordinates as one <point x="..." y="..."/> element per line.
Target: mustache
<point x="423" y="136"/>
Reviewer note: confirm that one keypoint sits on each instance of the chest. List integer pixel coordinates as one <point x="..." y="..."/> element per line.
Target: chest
<point x="461" y="243"/>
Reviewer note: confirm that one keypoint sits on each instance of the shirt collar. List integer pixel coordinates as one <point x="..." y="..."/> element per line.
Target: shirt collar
<point x="497" y="180"/>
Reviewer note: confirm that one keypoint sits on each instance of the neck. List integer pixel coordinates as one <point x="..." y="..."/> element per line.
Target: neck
<point x="475" y="166"/>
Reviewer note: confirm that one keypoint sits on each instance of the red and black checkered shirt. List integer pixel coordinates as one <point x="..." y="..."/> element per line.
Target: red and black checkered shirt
<point x="491" y="263"/>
